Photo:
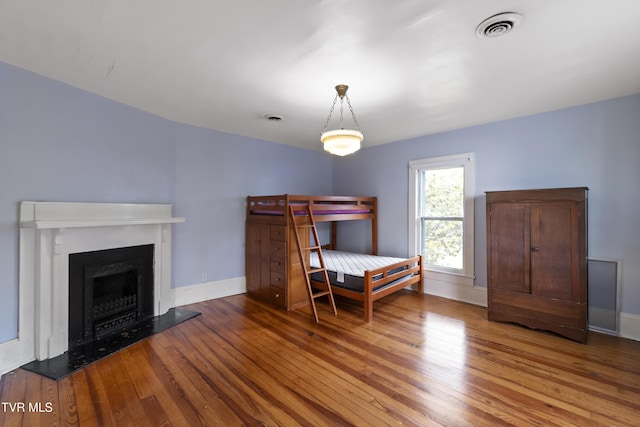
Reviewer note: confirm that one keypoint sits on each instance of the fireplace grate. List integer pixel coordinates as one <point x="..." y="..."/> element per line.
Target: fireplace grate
<point x="104" y="327"/>
<point x="114" y="306"/>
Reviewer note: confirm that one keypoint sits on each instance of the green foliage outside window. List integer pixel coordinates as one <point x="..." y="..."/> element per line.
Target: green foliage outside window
<point x="442" y="213"/>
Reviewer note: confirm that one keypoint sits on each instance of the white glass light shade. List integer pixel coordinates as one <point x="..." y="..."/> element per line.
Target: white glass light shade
<point x="341" y="142"/>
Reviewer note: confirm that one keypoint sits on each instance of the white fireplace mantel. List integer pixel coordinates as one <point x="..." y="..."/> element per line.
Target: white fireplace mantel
<point x="42" y="215"/>
<point x="50" y="231"/>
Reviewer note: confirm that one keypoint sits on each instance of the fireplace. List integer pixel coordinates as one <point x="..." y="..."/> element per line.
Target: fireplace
<point x="109" y="291"/>
<point x="51" y="232"/>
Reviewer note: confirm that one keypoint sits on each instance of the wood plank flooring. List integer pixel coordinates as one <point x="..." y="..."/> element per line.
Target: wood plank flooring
<point x="422" y="361"/>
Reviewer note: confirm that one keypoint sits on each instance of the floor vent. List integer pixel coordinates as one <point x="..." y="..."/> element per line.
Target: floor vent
<point x="604" y="296"/>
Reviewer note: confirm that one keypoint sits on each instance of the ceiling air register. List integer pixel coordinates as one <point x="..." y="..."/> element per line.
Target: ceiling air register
<point x="498" y="25"/>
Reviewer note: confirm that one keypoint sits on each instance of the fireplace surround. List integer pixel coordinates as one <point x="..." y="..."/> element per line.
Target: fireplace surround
<point x="52" y="231"/>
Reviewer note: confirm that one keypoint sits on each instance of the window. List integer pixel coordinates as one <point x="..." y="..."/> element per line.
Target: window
<point x="441" y="213"/>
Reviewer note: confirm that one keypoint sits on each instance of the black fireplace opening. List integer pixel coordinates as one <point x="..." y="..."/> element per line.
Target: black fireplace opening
<point x="110" y="291"/>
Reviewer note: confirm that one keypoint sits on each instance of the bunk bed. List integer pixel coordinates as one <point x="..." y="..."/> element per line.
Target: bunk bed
<point x="274" y="272"/>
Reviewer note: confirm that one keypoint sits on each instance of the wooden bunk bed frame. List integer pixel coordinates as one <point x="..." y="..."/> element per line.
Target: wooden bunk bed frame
<point x="273" y="269"/>
<point x="274" y="209"/>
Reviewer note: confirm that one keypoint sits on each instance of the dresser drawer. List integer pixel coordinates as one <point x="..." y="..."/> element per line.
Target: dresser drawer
<point x="277" y="249"/>
<point x="277" y="264"/>
<point x="278" y="232"/>
<point x="277" y="296"/>
<point x="277" y="278"/>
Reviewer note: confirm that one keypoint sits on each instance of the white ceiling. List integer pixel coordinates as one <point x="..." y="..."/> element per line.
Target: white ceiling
<point x="414" y="67"/>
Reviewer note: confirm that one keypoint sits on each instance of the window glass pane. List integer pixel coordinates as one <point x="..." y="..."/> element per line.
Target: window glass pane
<point x="443" y="194"/>
<point x="442" y="243"/>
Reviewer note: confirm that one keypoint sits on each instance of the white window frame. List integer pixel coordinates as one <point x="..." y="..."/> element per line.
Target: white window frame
<point x="465" y="276"/>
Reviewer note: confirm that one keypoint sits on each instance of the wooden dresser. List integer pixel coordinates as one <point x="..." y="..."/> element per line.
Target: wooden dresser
<point x="537" y="259"/>
<point x="273" y="269"/>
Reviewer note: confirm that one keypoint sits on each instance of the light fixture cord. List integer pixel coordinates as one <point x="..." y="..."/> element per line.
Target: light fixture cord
<point x="353" y="115"/>
<point x="326" y="125"/>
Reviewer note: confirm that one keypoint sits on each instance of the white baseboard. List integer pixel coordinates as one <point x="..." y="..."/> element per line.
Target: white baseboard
<point x="14" y="354"/>
<point x="630" y="326"/>
<point x="192" y="294"/>
<point x="456" y="291"/>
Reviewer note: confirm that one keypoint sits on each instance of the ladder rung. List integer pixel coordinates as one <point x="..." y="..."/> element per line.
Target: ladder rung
<point x="312" y="248"/>
<point x="320" y="294"/>
<point x="317" y="270"/>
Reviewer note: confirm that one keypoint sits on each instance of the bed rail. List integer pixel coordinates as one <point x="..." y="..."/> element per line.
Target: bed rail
<point x="384" y="281"/>
<point x="324" y="208"/>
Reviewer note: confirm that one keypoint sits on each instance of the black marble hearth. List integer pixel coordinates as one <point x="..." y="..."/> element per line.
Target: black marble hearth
<point x="83" y="355"/>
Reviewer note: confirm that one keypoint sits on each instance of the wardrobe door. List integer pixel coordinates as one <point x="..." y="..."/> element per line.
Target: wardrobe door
<point x="553" y="250"/>
<point x="509" y="251"/>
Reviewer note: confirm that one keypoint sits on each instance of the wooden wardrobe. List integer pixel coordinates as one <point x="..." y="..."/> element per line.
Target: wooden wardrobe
<point x="537" y="259"/>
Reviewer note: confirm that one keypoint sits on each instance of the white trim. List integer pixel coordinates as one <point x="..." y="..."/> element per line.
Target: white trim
<point x="456" y="288"/>
<point x="443" y="161"/>
<point x="192" y="294"/>
<point x="446" y="277"/>
<point x="467" y="160"/>
<point x="74" y="214"/>
<point x="630" y="326"/>
<point x="43" y="225"/>
<point x="14" y="354"/>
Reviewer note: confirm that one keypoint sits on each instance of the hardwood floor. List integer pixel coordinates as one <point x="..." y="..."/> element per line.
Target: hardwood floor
<point x="423" y="360"/>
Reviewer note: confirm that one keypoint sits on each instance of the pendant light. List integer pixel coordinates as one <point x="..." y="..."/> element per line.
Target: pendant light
<point x="341" y="142"/>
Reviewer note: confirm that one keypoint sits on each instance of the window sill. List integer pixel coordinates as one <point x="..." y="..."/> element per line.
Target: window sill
<point x="449" y="277"/>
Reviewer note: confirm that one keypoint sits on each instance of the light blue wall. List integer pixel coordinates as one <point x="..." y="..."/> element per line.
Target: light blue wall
<point x="595" y="145"/>
<point x="58" y="143"/>
<point x="215" y="174"/>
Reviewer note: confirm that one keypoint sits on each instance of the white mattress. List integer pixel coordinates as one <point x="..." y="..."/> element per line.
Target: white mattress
<point x="350" y="263"/>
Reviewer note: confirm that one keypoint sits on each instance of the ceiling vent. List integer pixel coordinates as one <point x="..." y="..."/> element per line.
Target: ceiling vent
<point x="498" y="25"/>
<point x="273" y="117"/>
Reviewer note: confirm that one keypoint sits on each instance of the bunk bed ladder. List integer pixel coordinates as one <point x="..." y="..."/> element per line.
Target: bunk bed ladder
<point x="304" y="223"/>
